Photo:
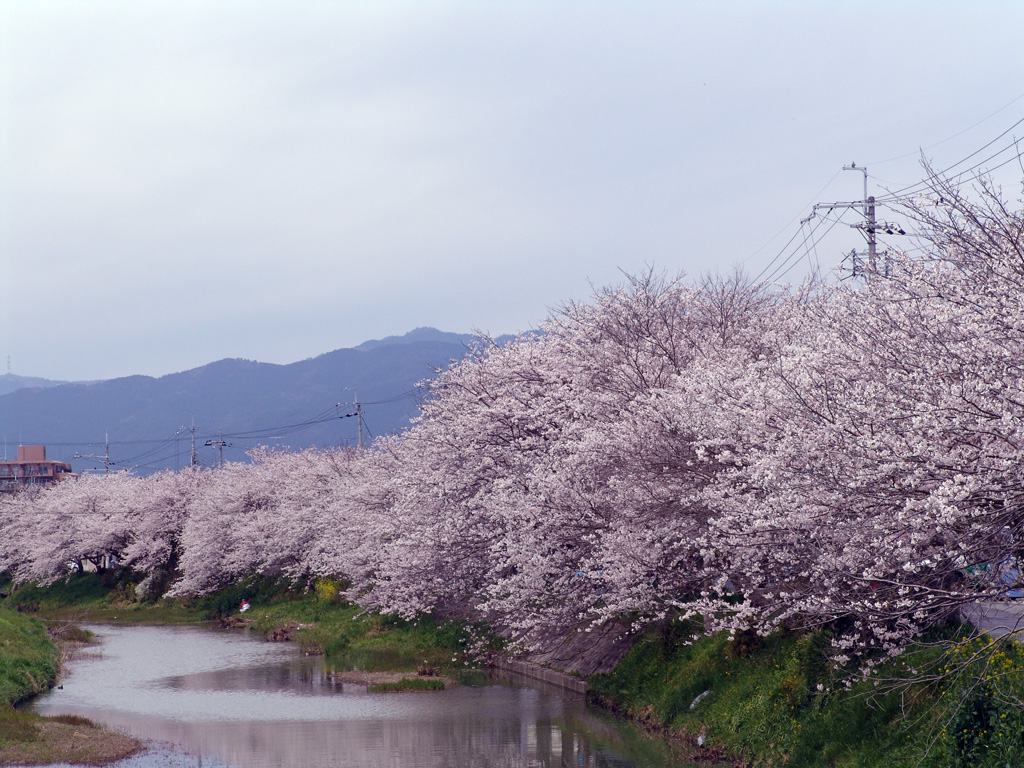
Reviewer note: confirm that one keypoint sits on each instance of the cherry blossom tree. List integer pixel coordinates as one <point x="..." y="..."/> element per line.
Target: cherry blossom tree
<point x="879" y="443"/>
<point x="272" y="517"/>
<point x="17" y="530"/>
<point x="157" y="521"/>
<point x="551" y="483"/>
<point x="75" y="522"/>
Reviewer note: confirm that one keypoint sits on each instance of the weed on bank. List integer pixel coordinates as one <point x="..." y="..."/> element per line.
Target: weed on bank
<point x="321" y="623"/>
<point x="28" y="658"/>
<point x="314" y="618"/>
<point x="780" y="701"/>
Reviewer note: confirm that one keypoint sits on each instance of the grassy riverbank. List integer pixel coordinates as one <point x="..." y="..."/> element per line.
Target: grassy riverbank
<point x="88" y="597"/>
<point x="763" y="705"/>
<point x="28" y="666"/>
<point x="27" y="739"/>
<point x="345" y="634"/>
<point x="316" y="620"/>
<point x="28" y="658"/>
<point x="757" y="701"/>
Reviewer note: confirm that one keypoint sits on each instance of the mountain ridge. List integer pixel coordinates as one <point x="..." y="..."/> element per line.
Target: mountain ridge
<point x="11" y="382"/>
<point x="149" y="420"/>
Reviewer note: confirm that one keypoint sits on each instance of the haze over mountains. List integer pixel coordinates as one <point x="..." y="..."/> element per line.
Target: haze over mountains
<point x="149" y="420"/>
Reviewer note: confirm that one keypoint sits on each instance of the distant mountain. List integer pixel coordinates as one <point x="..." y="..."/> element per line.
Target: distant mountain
<point x="430" y="334"/>
<point x="308" y="403"/>
<point x="10" y="382"/>
<point x="419" y="334"/>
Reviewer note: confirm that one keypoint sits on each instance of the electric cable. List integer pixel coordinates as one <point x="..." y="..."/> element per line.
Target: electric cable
<point x="777" y="275"/>
<point x="819" y="222"/>
<point x="948" y="138"/>
<point x="784" y="226"/>
<point x="409" y="394"/>
<point x="911" y="189"/>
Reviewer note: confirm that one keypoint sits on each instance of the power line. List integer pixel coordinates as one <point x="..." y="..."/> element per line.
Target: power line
<point x="409" y="394"/>
<point x="780" y="275"/>
<point x="782" y="269"/>
<point x="164" y="449"/>
<point x="779" y="254"/>
<point x="788" y="223"/>
<point x="948" y="138"/>
<point x="919" y="186"/>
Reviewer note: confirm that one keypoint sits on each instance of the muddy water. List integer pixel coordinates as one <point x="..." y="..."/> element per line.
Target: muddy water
<point x="213" y="698"/>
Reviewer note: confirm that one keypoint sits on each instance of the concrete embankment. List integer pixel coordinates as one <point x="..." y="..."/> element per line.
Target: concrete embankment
<point x="544" y="674"/>
<point x="568" y="662"/>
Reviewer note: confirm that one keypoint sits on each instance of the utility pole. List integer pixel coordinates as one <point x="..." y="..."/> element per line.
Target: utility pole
<point x="105" y="458"/>
<point x="358" y="413"/>
<point x="359" y="422"/>
<point x="869" y="226"/>
<point x="220" y="447"/>
<point x="869" y="218"/>
<point x="194" y="460"/>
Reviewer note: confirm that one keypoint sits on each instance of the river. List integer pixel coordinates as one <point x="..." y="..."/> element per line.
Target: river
<point x="205" y="697"/>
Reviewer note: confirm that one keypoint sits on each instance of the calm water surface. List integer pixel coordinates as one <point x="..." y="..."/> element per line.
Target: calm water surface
<point x="215" y="698"/>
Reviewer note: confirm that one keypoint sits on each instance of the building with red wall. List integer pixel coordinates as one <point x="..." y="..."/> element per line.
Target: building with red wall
<point x="32" y="470"/>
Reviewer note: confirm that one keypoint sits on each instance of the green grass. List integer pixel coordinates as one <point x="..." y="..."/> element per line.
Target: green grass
<point x="764" y="705"/>
<point x="316" y="619"/>
<point x="17" y="727"/>
<point x="83" y="591"/>
<point x="409" y="684"/>
<point x="28" y="657"/>
<point x="351" y="637"/>
<point x="982" y="707"/>
<point x="94" y="597"/>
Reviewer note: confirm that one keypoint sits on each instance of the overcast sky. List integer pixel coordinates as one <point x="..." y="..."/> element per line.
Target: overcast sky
<point x="182" y="182"/>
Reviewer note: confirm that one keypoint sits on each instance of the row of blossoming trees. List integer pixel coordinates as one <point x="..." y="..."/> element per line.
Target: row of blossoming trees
<point x="845" y="454"/>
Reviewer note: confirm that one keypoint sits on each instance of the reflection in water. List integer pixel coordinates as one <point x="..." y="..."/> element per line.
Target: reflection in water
<point x="233" y="700"/>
